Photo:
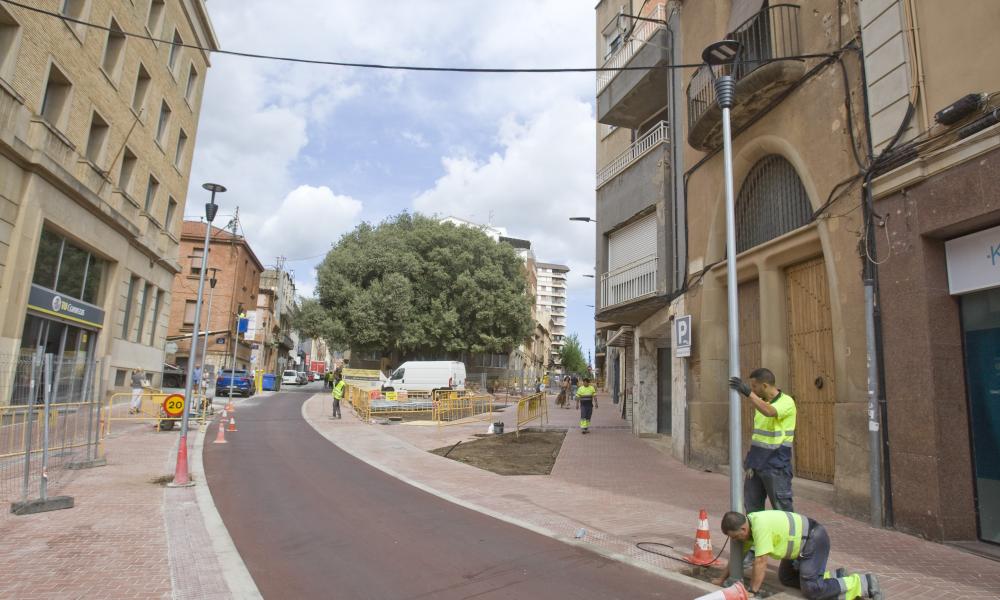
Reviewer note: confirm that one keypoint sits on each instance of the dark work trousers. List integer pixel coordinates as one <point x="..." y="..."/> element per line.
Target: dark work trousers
<point x="336" y="408"/>
<point x="768" y="484"/>
<point x="811" y="567"/>
<point x="586" y="408"/>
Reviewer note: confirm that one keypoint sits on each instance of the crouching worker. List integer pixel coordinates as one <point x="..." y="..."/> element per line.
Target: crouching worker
<point x="803" y="546"/>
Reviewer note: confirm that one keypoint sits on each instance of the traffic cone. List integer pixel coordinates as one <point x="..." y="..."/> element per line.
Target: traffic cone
<point x="220" y="436"/>
<point x="733" y="592"/>
<point x="232" y="423"/>
<point x="702" y="544"/>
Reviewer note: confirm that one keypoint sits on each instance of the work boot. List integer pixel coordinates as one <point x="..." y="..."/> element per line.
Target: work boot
<point x="874" y="589"/>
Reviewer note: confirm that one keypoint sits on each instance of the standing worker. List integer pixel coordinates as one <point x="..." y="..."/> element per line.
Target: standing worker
<point x="137" y="384"/>
<point x="586" y="397"/>
<point x="803" y="547"/>
<point x="768" y="463"/>
<point x="338" y="395"/>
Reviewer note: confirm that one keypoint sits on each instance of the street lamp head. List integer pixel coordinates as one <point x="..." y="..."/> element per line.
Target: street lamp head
<point x="721" y="53"/>
<point x="214" y="187"/>
<point x="583" y="219"/>
<point x="588" y="275"/>
<point x="211" y="208"/>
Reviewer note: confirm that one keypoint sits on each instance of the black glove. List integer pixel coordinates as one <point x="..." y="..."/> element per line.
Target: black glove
<point x="737" y="384"/>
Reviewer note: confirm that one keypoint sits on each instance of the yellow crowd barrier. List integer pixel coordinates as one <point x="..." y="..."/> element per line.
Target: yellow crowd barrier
<point x="529" y="409"/>
<point x="443" y="406"/>
<point x="119" y="408"/>
<point x="452" y="406"/>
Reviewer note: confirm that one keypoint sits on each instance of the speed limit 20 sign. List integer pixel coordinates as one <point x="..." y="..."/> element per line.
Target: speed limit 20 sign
<point x="173" y="405"/>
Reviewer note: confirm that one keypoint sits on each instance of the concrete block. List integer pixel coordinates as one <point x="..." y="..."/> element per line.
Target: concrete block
<point x="31" y="507"/>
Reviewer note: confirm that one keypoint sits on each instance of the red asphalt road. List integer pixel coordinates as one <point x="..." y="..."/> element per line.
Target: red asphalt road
<point x="312" y="521"/>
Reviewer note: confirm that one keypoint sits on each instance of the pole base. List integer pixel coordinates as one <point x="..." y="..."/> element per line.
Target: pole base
<point x="31" y="507"/>
<point x="88" y="464"/>
<point x="180" y="485"/>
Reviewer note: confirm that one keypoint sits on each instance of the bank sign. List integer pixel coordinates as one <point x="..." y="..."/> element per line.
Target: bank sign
<point x="974" y="261"/>
<point x="53" y="303"/>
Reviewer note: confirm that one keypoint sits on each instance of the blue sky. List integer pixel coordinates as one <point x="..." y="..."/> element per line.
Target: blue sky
<point x="308" y="152"/>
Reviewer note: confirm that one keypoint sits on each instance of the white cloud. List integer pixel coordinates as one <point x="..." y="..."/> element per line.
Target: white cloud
<point x="306" y="223"/>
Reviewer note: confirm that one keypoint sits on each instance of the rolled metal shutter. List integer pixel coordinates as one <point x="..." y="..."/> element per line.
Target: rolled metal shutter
<point x="632" y="243"/>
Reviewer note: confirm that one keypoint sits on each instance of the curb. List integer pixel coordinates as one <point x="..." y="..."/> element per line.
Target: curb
<point x="234" y="570"/>
<point x="616" y="556"/>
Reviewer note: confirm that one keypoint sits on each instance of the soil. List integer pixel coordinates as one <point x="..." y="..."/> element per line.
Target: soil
<point x="533" y="453"/>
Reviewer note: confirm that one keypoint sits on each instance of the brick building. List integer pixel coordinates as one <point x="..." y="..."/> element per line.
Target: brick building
<point x="237" y="271"/>
<point x="96" y="136"/>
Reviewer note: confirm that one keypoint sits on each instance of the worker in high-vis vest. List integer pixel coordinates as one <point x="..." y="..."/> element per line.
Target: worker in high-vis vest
<point x="803" y="547"/>
<point x="338" y="395"/>
<point x="768" y="464"/>
<point x="587" y="396"/>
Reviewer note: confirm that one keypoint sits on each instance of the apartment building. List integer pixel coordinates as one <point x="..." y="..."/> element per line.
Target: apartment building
<point x="932" y="80"/>
<point x="237" y="270"/>
<point x="798" y="125"/>
<point x="283" y="342"/>
<point x="550" y="304"/>
<point x="97" y="131"/>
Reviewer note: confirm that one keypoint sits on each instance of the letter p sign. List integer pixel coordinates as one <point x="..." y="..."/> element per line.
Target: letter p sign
<point x="682" y="336"/>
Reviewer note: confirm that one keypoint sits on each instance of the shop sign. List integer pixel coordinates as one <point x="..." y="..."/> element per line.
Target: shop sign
<point x="49" y="302"/>
<point x="974" y="261"/>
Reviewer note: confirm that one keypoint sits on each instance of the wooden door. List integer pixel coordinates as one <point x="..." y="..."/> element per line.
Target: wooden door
<point x="812" y="383"/>
<point x="749" y="305"/>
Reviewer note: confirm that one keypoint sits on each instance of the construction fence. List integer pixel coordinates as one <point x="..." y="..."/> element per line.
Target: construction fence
<point x="440" y="406"/>
<point x="162" y="410"/>
<point x="49" y="423"/>
<point x="529" y="409"/>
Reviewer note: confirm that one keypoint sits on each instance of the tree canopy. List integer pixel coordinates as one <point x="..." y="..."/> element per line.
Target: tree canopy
<point x="311" y="319"/>
<point x="417" y="286"/>
<point x="572" y="356"/>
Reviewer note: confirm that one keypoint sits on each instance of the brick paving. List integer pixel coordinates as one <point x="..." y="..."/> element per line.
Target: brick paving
<point x="622" y="489"/>
<point x="125" y="537"/>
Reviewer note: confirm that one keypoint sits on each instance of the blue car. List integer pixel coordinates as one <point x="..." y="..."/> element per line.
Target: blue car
<point x="242" y="383"/>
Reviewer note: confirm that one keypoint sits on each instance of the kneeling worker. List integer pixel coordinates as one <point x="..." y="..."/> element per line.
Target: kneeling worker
<point x="803" y="547"/>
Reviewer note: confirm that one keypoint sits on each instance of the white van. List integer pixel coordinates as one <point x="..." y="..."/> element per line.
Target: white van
<point x="289" y="377"/>
<point x="427" y="375"/>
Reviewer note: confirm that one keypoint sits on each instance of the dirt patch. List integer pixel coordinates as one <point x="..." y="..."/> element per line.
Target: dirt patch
<point x="533" y="453"/>
<point x="165" y="480"/>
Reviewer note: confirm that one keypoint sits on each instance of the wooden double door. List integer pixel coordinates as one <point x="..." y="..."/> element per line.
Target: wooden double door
<point x="809" y="347"/>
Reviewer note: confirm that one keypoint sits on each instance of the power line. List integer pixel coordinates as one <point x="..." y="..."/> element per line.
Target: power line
<point x="358" y="65"/>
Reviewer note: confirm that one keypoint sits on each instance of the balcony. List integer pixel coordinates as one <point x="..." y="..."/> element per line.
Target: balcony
<point x="630" y="294"/>
<point x="628" y="98"/>
<point x="652" y="139"/>
<point x="763" y="72"/>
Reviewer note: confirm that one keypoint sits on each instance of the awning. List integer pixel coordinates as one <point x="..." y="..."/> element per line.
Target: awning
<point x="622" y="338"/>
<point x="742" y="11"/>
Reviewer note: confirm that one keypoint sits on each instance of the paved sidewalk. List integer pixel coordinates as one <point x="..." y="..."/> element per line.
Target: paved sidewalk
<point x="623" y="490"/>
<point x="125" y="537"/>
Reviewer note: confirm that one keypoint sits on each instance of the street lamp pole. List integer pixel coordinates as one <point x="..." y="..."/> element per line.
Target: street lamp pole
<point x="722" y="54"/>
<point x="181" y="476"/>
<point x="208" y="324"/>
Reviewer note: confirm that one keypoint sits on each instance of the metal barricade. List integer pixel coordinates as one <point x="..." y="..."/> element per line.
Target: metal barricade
<point x="529" y="409"/>
<point x="148" y="407"/>
<point x="452" y="406"/>
<point x="49" y="424"/>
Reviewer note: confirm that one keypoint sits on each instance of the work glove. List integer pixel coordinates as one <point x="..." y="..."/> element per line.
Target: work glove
<point x="737" y="384"/>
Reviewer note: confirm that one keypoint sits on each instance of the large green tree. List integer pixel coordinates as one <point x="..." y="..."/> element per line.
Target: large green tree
<point x="413" y="285"/>
<point x="311" y="319"/>
<point x="572" y="356"/>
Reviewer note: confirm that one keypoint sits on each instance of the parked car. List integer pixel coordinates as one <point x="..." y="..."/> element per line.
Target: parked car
<point x="427" y="375"/>
<point x="303" y="378"/>
<point x="311" y="375"/>
<point x="241" y="379"/>
<point x="289" y="377"/>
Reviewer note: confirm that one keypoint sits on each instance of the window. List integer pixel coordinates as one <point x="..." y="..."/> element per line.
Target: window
<point x="155" y="18"/>
<point x="191" y="84"/>
<point x="772" y="202"/>
<point x="120" y="377"/>
<point x="128" y="168"/>
<point x="182" y="140"/>
<point x="164" y="123"/>
<point x="97" y="138"/>
<point x="189" y="306"/>
<point x="141" y="89"/>
<point x="143" y="307"/>
<point x="168" y="222"/>
<point x="151" y="190"/>
<point x="55" y="101"/>
<point x="92" y="280"/>
<point x="47" y="262"/>
<point x="133" y="286"/>
<point x="10" y="39"/>
<point x="156" y="317"/>
<point x="196" y="256"/>
<point x="175" y="50"/>
<point x="114" y="48"/>
<point x="68" y="269"/>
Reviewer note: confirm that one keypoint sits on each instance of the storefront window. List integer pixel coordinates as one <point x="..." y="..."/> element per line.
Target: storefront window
<point x="68" y="269"/>
<point x="47" y="263"/>
<point x="72" y="269"/>
<point x="95" y="274"/>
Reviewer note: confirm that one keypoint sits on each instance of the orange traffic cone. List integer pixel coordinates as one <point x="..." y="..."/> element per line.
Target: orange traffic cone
<point x="733" y="592"/>
<point x="702" y="544"/>
<point x="220" y="436"/>
<point x="232" y="423"/>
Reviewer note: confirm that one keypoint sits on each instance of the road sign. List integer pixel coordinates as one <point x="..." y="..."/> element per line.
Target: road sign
<point x="173" y="405"/>
<point x="682" y="336"/>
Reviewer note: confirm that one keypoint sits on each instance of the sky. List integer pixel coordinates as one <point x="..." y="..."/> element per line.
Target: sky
<point x="308" y="152"/>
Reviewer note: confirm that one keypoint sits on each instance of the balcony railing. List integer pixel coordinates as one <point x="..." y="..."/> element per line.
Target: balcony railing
<point x="659" y="134"/>
<point x="640" y="35"/>
<point x="629" y="283"/>
<point x="770" y="35"/>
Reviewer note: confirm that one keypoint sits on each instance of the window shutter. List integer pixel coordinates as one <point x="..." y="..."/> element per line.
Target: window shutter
<point x="632" y="243"/>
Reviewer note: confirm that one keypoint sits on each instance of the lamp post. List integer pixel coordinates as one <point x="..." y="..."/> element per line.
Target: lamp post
<point x="722" y="54"/>
<point x="181" y="477"/>
<point x="208" y="324"/>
